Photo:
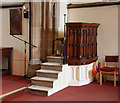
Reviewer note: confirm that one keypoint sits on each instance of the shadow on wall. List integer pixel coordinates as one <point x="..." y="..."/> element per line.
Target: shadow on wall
<point x="46" y="43"/>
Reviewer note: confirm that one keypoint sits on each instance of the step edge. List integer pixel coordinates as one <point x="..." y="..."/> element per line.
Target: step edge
<point x="40" y="87"/>
<point x="47" y="71"/>
<point x="54" y="57"/>
<point x="57" y="64"/>
<point x="53" y="69"/>
<point x="51" y="65"/>
<point x="33" y="78"/>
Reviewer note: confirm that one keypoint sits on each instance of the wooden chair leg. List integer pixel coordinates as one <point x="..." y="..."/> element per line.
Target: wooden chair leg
<point x="119" y="76"/>
<point x="114" y="79"/>
<point x="100" y="78"/>
<point x="104" y="76"/>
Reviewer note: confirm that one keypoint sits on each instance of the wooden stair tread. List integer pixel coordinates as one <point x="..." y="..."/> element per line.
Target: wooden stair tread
<point x="43" y="78"/>
<point x="47" y="71"/>
<point x="51" y="64"/>
<point x="40" y="88"/>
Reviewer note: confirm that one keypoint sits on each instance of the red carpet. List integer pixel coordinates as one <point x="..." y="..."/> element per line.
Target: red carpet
<point x="90" y="92"/>
<point x="8" y="83"/>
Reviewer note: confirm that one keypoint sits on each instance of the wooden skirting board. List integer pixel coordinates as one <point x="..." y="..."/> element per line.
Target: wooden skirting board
<point x="12" y="92"/>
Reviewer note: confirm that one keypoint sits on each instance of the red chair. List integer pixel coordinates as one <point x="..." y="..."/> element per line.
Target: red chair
<point x="107" y="70"/>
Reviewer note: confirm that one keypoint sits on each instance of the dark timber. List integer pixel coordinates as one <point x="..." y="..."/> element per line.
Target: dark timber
<point x="96" y="4"/>
<point x="12" y="6"/>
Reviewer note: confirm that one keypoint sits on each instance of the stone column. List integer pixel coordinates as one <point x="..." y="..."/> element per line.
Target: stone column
<point x="36" y="29"/>
<point x="42" y="30"/>
<point x="44" y="27"/>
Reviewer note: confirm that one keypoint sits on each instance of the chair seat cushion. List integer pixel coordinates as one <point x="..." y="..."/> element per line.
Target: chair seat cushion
<point x="109" y="69"/>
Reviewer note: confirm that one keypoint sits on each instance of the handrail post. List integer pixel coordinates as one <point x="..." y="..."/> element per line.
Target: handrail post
<point x="64" y="42"/>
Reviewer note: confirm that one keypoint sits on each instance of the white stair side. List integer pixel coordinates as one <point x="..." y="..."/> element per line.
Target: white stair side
<point x="61" y="82"/>
<point x="58" y="84"/>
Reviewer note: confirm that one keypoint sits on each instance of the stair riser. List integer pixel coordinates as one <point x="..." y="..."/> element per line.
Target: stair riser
<point x="59" y="68"/>
<point x="34" y="67"/>
<point x="38" y="92"/>
<point x="42" y="83"/>
<point x="50" y="75"/>
<point x="54" y="60"/>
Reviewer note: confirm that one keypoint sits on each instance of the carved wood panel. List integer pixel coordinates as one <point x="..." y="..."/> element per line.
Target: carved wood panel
<point x="81" y="43"/>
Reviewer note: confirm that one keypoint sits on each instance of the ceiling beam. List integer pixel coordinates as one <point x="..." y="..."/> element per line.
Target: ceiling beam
<point x="11" y="5"/>
<point x="96" y="4"/>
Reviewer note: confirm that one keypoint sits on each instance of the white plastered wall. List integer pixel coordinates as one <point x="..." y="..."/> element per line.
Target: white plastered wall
<point x="119" y="32"/>
<point x="119" y="29"/>
<point x="9" y="41"/>
<point x="107" y="16"/>
<point x="63" y="10"/>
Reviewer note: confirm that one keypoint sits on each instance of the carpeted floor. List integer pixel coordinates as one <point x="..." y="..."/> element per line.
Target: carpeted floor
<point x="90" y="92"/>
<point x="9" y="84"/>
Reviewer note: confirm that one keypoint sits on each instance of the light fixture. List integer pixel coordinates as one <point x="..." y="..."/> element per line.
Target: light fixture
<point x="25" y="12"/>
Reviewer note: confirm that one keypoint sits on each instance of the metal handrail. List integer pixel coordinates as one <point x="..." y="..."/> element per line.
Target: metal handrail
<point x="53" y="47"/>
<point x="63" y="40"/>
<point x="62" y="46"/>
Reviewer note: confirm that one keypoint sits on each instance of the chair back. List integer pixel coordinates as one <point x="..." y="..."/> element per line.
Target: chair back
<point x="112" y="58"/>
